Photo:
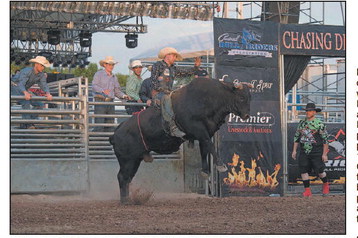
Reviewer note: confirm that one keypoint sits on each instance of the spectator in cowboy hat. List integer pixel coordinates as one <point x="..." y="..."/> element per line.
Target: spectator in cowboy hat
<point x="168" y="56"/>
<point x="22" y="82"/>
<point x="134" y="82"/>
<point x="105" y="88"/>
<point x="311" y="135"/>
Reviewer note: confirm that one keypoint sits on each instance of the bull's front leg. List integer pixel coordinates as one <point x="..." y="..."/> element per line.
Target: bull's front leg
<point x="206" y="147"/>
<point x="204" y="162"/>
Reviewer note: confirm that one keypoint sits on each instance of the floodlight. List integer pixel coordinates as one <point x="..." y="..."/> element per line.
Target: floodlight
<point x="147" y="9"/>
<point x="46" y="54"/>
<point x="192" y="13"/>
<point x="85" y="39"/>
<point x="131" y="40"/>
<point x="53" y="37"/>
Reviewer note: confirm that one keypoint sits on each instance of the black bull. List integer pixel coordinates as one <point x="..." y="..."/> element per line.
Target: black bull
<point x="200" y="109"/>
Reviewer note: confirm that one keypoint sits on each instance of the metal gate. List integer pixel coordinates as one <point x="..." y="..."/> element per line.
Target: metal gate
<point x="63" y="154"/>
<point x="52" y="157"/>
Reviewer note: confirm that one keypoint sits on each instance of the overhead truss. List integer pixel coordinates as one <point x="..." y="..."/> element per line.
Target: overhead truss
<point x="31" y="21"/>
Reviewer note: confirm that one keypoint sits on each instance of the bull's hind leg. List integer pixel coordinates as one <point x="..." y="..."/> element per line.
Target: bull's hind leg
<point x="125" y="176"/>
<point x="123" y="187"/>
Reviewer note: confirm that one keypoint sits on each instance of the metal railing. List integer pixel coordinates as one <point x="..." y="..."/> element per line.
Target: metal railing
<point x="65" y="130"/>
<point x="59" y="132"/>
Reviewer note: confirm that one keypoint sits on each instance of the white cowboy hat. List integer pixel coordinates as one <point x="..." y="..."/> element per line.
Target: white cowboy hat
<point x="169" y="50"/>
<point x="40" y="60"/>
<point x="107" y="60"/>
<point x="135" y="63"/>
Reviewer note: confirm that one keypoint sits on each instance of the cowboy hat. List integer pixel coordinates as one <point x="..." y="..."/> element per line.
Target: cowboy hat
<point x="312" y="107"/>
<point x="107" y="60"/>
<point x="169" y="50"/>
<point x="40" y="60"/>
<point x="135" y="63"/>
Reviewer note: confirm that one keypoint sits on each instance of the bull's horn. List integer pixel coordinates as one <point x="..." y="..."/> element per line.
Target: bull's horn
<point x="249" y="85"/>
<point x="237" y="84"/>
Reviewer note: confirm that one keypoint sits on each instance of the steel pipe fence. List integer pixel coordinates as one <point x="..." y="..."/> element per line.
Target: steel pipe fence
<point x="62" y="152"/>
<point x="53" y="137"/>
<point x="67" y="131"/>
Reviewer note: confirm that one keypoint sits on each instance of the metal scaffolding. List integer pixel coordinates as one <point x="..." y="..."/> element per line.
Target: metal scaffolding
<point x="71" y="25"/>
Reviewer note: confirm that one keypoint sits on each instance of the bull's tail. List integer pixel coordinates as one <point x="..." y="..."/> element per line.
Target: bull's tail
<point x="111" y="138"/>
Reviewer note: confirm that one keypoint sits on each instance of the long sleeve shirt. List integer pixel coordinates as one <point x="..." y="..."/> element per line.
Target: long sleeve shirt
<point x="27" y="77"/>
<point x="159" y="67"/>
<point x="145" y="92"/>
<point x="133" y="86"/>
<point x="103" y="81"/>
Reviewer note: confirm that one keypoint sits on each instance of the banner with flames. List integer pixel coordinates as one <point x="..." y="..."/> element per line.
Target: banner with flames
<point x="252" y="148"/>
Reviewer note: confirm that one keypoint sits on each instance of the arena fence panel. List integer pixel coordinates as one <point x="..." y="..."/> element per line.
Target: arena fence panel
<point x="63" y="153"/>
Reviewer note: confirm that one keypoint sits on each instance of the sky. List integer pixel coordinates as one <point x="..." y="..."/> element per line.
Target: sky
<point x="163" y="32"/>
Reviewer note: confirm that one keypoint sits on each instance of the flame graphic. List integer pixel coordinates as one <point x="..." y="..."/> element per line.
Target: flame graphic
<point x="341" y="180"/>
<point x="317" y="180"/>
<point x="250" y="176"/>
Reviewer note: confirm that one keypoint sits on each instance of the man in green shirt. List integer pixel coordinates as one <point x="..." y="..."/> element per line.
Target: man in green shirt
<point x="312" y="136"/>
<point x="134" y="82"/>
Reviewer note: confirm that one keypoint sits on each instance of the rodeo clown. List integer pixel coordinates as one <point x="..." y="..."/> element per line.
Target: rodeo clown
<point x="312" y="136"/>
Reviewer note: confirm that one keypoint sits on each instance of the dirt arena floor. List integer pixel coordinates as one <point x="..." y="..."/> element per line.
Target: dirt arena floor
<point x="178" y="214"/>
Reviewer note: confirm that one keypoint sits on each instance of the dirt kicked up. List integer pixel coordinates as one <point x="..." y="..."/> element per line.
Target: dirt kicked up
<point x="178" y="214"/>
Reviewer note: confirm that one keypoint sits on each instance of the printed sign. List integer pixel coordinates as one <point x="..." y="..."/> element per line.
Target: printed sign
<point x="245" y="43"/>
<point x="247" y="51"/>
<point x="312" y="40"/>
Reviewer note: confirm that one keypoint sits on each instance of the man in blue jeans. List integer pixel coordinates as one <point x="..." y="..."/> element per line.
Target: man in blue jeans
<point x="21" y="82"/>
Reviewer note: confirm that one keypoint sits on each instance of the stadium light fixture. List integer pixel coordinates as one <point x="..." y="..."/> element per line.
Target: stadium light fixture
<point x="85" y="39"/>
<point x="131" y="40"/>
<point x="53" y="37"/>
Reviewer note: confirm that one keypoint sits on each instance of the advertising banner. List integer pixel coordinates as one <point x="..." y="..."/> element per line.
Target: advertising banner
<point x="318" y="40"/>
<point x="245" y="43"/>
<point x="336" y="165"/>
<point x="248" y="51"/>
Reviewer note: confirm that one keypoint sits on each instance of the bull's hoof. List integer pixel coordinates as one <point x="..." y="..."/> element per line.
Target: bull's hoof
<point x="125" y="201"/>
<point x="204" y="174"/>
<point x="221" y="168"/>
<point x="148" y="158"/>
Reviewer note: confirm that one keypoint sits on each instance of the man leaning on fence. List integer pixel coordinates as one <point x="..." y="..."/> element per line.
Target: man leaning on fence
<point x="27" y="77"/>
<point x="105" y="87"/>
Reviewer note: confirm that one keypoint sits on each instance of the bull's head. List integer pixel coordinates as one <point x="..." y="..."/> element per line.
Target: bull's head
<point x="241" y="105"/>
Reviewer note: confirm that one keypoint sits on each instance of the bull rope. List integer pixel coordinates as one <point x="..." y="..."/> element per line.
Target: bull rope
<point x="140" y="130"/>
